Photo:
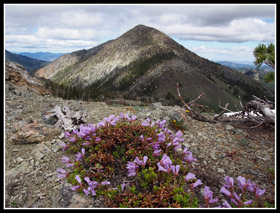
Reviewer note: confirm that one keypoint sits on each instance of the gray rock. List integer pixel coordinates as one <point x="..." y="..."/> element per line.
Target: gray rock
<point x="177" y="113"/>
<point x="66" y="194"/>
<point x="155" y="105"/>
<point x="220" y="170"/>
<point x="50" y="120"/>
<point x="213" y="156"/>
<point x="229" y="127"/>
<point x="17" y="92"/>
<point x="19" y="159"/>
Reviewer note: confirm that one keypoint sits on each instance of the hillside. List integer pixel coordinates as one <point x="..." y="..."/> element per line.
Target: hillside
<point x="145" y="62"/>
<point x="30" y="64"/>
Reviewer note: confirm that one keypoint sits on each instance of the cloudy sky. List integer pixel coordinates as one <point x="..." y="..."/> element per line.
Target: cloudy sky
<point x="216" y="32"/>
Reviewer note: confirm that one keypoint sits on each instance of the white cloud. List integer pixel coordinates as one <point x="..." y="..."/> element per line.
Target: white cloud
<point x="242" y="30"/>
<point x="68" y="33"/>
<point x="89" y="25"/>
<point x="238" y="53"/>
<point x="30" y="41"/>
<point x="80" y="19"/>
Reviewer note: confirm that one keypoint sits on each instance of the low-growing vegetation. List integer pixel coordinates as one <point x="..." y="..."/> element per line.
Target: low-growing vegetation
<point x="136" y="164"/>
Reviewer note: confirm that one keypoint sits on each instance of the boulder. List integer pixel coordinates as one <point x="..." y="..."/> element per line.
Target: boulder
<point x="34" y="132"/>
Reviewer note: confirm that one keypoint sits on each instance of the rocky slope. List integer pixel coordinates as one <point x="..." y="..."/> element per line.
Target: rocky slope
<point x="33" y="153"/>
<point x="17" y="74"/>
<point x="146" y="62"/>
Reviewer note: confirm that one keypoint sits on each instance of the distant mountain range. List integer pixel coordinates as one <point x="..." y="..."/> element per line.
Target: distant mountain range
<point x="252" y="71"/>
<point x="145" y="62"/>
<point x="45" y="56"/>
<point x="30" y="64"/>
<point x="242" y="66"/>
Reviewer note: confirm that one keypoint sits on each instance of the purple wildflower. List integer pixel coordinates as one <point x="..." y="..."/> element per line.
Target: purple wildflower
<point x="186" y="151"/>
<point x="64" y="146"/>
<point x="73" y="139"/>
<point x="226" y="204"/>
<point x="91" y="186"/>
<point x="237" y="197"/>
<point x="248" y="202"/>
<point x="229" y="182"/>
<point x="66" y="134"/>
<point x="177" y="147"/>
<point x="63" y="173"/>
<point x="87" y="143"/>
<point x="122" y="186"/>
<point x="259" y="192"/>
<point x="190" y="158"/>
<point x="92" y="127"/>
<point x="234" y="201"/>
<point x="80" y="156"/>
<point x="98" y="139"/>
<point x="165" y="160"/>
<point x="225" y="191"/>
<point x="160" y="124"/>
<point x="87" y="192"/>
<point x="121" y="115"/>
<point x="106" y="182"/>
<point x="65" y="159"/>
<point x="132" y="118"/>
<point x="242" y="183"/>
<point x="81" y="134"/>
<point x="144" y="123"/>
<point x="139" y="162"/>
<point x="101" y="124"/>
<point x="179" y="134"/>
<point x="160" y="168"/>
<point x="240" y="203"/>
<point x="84" y="131"/>
<point x="155" y="145"/>
<point x="175" y="169"/>
<point x="91" y="183"/>
<point x="197" y="183"/>
<point x="208" y="194"/>
<point x="190" y="176"/>
<point x="132" y="167"/>
<point x="157" y="152"/>
<point x="165" y="164"/>
<point x="111" y="120"/>
<point x="176" y="140"/>
<point x="79" y="181"/>
<point x="161" y="137"/>
<point x="88" y="137"/>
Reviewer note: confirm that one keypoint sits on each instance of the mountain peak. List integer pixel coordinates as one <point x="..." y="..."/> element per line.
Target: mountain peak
<point x="146" y="62"/>
<point x="142" y="27"/>
<point x="140" y="30"/>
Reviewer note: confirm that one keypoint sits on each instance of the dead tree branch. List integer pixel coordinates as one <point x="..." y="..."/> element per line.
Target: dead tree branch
<point x="257" y="112"/>
<point x="67" y="119"/>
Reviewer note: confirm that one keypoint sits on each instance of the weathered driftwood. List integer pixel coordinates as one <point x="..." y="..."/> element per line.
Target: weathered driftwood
<point x="67" y="119"/>
<point x="256" y="112"/>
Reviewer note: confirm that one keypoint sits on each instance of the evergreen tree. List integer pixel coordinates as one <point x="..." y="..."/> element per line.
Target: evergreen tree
<point x="265" y="54"/>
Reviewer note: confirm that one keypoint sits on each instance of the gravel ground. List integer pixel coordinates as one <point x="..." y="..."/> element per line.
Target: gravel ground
<point x="32" y="150"/>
